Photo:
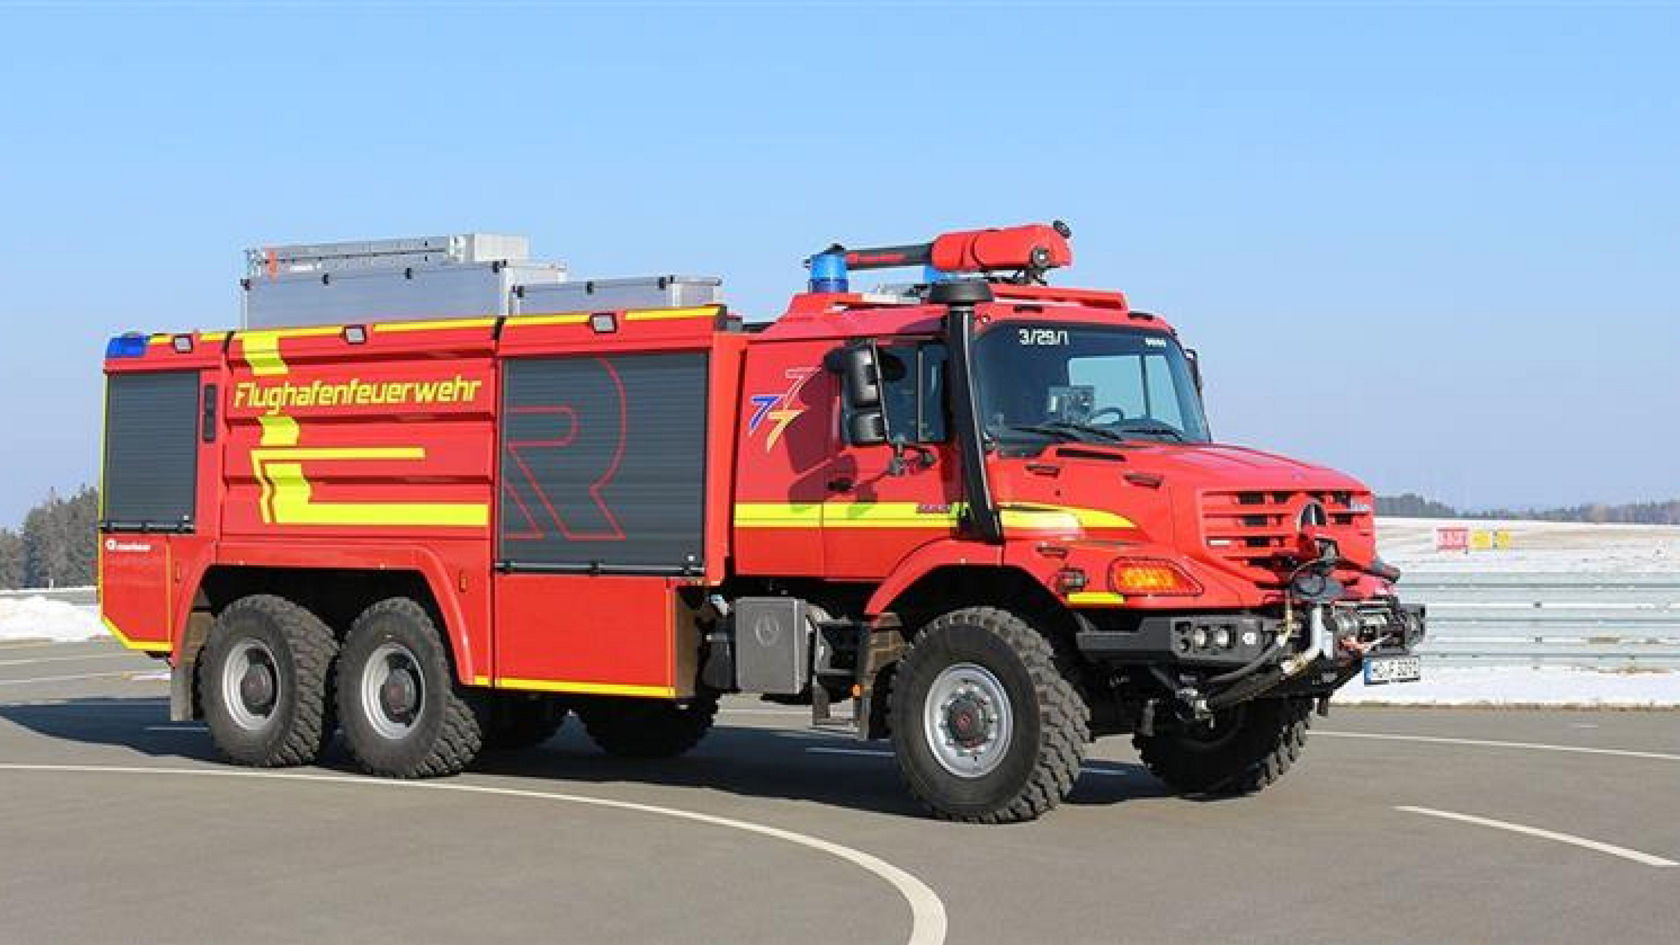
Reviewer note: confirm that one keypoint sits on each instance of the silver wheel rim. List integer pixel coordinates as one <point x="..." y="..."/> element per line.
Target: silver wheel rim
<point x="967" y="720"/>
<point x="251" y="685"/>
<point x="393" y="691"/>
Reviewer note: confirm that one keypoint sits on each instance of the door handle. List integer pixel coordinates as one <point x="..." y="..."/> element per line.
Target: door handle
<point x="840" y="484"/>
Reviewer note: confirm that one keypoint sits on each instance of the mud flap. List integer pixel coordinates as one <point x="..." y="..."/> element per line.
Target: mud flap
<point x="183" y="671"/>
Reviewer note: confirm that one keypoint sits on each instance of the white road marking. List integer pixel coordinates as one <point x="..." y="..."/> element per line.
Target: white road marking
<point x="928" y="924"/>
<point x="36" y="643"/>
<point x="47" y="679"/>
<point x="64" y="659"/>
<point x="1582" y="842"/>
<point x="876" y="753"/>
<point x="1488" y="743"/>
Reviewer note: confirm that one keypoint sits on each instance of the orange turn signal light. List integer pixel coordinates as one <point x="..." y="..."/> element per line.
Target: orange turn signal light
<point x="1141" y="576"/>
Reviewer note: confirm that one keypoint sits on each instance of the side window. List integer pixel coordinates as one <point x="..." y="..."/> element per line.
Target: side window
<point x="913" y="391"/>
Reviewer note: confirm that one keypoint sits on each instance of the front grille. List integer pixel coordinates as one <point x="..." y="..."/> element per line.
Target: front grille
<point x="1258" y="531"/>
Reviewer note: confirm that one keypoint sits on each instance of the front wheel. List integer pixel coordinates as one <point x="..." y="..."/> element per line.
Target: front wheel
<point x="402" y="712"/>
<point x="985" y="728"/>
<point x="1242" y="750"/>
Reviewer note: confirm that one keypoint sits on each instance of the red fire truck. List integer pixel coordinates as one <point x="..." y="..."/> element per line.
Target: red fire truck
<point x="438" y="498"/>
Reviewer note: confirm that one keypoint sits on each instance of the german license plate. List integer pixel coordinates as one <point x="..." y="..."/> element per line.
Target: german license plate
<point x="1387" y="669"/>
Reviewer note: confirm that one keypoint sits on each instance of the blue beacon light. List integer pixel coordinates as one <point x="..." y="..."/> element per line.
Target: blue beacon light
<point x="828" y="273"/>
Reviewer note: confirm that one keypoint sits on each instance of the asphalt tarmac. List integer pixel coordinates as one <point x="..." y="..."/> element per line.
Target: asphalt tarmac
<point x="1414" y="826"/>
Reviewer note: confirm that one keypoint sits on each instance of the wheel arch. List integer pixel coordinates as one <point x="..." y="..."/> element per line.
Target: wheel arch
<point x="337" y="595"/>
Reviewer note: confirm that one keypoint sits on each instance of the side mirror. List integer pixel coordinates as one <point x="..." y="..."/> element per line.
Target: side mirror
<point x="866" y="428"/>
<point x="860" y="376"/>
<point x="860" y="380"/>
<point x="1195" y="361"/>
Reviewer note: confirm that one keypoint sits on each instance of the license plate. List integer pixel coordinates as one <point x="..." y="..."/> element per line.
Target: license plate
<point x="1387" y="669"/>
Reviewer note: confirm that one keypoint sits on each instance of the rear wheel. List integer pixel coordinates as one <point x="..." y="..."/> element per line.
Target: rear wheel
<point x="648" y="728"/>
<point x="520" y="721"/>
<point x="984" y="726"/>
<point x="263" y="680"/>
<point x="1244" y="749"/>
<point x="403" y="714"/>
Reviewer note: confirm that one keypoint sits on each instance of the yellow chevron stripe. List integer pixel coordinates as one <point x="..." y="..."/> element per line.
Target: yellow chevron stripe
<point x="145" y="646"/>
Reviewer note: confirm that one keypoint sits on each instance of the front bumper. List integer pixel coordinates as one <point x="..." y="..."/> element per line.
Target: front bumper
<point x="1224" y="641"/>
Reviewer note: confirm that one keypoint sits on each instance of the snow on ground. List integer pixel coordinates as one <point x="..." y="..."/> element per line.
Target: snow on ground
<point x="1521" y="686"/>
<point x="37" y="618"/>
<point x="1536" y="547"/>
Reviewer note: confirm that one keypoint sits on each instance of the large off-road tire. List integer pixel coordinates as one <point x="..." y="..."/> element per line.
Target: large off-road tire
<point x="985" y="728"/>
<point x="522" y="720"/>
<point x="403" y="714"/>
<point x="263" y="682"/>
<point x="1246" y="748"/>
<point x="648" y="728"/>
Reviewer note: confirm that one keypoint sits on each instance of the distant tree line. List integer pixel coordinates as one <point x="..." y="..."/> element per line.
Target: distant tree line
<point x="56" y="546"/>
<point x="1412" y="505"/>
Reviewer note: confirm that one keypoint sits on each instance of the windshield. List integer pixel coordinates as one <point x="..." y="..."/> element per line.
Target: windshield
<point x="1086" y="382"/>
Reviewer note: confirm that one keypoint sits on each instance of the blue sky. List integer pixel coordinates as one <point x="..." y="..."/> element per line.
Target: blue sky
<point x="1434" y="244"/>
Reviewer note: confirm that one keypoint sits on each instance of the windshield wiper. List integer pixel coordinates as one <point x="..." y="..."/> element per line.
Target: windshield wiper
<point x="1153" y="428"/>
<point x="1068" y="430"/>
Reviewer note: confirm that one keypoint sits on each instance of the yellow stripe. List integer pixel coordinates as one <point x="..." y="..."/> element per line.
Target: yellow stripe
<point x="777" y="515"/>
<point x="914" y="515"/>
<point x="1096" y="599"/>
<point x="287" y="495"/>
<point x="633" y="315"/>
<point x="586" y="688"/>
<point x="481" y="680"/>
<point x="143" y="645"/>
<point x="438" y="325"/>
<point x="1058" y="516"/>
<point x="668" y="314"/>
<point x="557" y="318"/>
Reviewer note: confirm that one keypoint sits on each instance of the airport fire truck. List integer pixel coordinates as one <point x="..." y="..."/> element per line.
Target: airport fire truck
<point x="438" y="497"/>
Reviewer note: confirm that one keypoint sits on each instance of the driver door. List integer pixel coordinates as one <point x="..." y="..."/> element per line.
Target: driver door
<point x="884" y="501"/>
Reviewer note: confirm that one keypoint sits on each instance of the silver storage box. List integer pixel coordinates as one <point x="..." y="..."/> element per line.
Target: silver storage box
<point x="772" y="645"/>
<point x="601" y="295"/>
<point x="471" y="275"/>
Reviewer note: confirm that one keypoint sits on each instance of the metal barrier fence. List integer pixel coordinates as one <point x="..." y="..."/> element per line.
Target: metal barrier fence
<point x="1582" y="619"/>
<point x="1600" y="620"/>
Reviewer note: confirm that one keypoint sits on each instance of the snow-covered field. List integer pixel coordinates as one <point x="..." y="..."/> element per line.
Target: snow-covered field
<point x="1536" y="548"/>
<point x="38" y="618"/>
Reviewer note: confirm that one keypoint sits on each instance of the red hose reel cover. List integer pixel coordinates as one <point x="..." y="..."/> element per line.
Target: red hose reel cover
<point x="1036" y="246"/>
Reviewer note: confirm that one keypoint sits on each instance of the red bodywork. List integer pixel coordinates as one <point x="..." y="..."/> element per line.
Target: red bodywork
<point x="398" y="469"/>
